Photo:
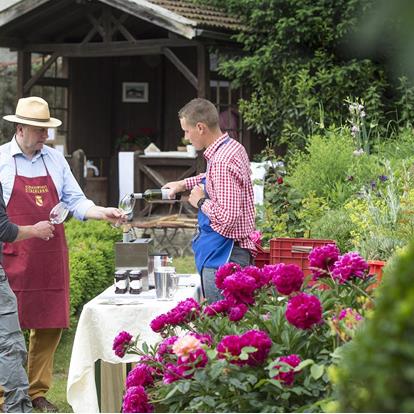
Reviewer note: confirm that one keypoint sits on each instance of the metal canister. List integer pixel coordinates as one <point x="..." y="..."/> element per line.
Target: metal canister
<point x="156" y="260"/>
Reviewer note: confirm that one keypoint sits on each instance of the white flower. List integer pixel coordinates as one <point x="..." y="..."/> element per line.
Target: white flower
<point x="358" y="152"/>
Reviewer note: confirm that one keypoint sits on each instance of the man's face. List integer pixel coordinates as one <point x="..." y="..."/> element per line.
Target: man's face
<point x="195" y="134"/>
<point x="33" y="138"/>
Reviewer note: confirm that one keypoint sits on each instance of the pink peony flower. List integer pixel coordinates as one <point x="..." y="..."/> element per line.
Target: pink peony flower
<point x="255" y="273"/>
<point x="232" y="345"/>
<point x="256" y="237"/>
<point x="185" y="311"/>
<point x="140" y="375"/>
<point x="186" y="345"/>
<point x="261" y="341"/>
<point x="322" y="259"/>
<point x="136" y="401"/>
<point x="239" y="287"/>
<point x="349" y="265"/>
<point x="224" y="271"/>
<point x="159" y="323"/>
<point x="121" y="343"/>
<point x="288" y="377"/>
<point x="287" y="278"/>
<point x="165" y="347"/>
<point x="303" y="311"/>
<point x="267" y="274"/>
<point x="237" y="312"/>
<point x="215" y="308"/>
<point x="203" y="338"/>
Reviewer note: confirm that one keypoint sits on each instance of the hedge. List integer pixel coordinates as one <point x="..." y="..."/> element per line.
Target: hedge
<point x="91" y="259"/>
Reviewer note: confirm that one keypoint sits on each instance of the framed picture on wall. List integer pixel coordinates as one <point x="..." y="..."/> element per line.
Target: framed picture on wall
<point x="134" y="91"/>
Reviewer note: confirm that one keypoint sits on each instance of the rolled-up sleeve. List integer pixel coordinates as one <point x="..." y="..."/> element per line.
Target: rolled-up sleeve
<point x="8" y="230"/>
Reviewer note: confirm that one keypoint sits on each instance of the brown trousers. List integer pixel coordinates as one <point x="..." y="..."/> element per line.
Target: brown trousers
<point x="42" y="347"/>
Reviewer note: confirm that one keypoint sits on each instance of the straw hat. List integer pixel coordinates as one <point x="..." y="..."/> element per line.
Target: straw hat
<point x="33" y="111"/>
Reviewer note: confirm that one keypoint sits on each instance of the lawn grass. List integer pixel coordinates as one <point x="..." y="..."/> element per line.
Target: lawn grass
<point x="57" y="393"/>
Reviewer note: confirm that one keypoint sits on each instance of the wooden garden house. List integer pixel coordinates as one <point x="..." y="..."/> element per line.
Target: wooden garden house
<point x="115" y="67"/>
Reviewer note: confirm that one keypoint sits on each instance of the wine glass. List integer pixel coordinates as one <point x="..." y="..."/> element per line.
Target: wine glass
<point x="58" y="213"/>
<point x="126" y="205"/>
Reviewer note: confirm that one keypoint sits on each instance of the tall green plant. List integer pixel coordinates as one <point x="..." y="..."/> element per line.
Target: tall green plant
<point x="376" y="374"/>
<point x="295" y="59"/>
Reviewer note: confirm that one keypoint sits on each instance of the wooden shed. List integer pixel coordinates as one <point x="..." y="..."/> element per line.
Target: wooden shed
<point x="115" y="67"/>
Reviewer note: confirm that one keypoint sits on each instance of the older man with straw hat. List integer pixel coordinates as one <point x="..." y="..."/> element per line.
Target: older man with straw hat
<point x="35" y="178"/>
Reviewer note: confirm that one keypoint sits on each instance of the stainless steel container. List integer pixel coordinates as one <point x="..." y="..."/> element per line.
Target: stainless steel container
<point x="156" y="260"/>
<point x="166" y="282"/>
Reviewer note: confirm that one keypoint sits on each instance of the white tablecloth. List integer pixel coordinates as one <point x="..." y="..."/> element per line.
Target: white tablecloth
<point x="99" y="323"/>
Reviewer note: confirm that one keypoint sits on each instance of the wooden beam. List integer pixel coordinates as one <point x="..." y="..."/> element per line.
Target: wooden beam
<point x="60" y="82"/>
<point x="24" y="65"/>
<point x="118" y="26"/>
<point x="122" y="48"/>
<point x="11" y="42"/>
<point x="40" y="72"/>
<point x="203" y="72"/>
<point x="96" y="25"/>
<point x="173" y="58"/>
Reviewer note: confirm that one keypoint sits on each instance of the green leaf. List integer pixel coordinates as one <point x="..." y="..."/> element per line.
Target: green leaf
<point x="304" y="364"/>
<point x="211" y="354"/>
<point x="184" y="387"/>
<point x="210" y="401"/>
<point x="171" y="393"/>
<point x="317" y="371"/>
<point x="238" y="384"/>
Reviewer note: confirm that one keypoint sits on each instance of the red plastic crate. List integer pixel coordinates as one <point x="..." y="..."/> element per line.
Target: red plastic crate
<point x="263" y="257"/>
<point x="375" y="267"/>
<point x="294" y="251"/>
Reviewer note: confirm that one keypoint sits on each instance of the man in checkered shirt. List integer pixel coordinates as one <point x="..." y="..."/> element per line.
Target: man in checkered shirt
<point x="223" y="195"/>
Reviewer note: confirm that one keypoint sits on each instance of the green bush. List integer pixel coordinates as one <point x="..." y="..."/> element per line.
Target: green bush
<point x="335" y="225"/>
<point x="91" y="259"/>
<point x="377" y="372"/>
<point x="330" y="169"/>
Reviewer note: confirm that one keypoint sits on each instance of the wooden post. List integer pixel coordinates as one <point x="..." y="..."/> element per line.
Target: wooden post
<point x="203" y="72"/>
<point x="24" y="67"/>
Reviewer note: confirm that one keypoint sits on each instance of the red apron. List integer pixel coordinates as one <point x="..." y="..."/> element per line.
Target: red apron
<point x="38" y="270"/>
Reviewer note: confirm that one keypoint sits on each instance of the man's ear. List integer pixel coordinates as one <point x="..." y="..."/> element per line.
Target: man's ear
<point x="201" y="127"/>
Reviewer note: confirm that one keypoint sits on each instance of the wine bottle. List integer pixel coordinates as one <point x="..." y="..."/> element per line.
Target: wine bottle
<point x="155" y="195"/>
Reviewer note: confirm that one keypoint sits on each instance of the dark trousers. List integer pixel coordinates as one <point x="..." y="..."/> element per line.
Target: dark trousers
<point x="13" y="377"/>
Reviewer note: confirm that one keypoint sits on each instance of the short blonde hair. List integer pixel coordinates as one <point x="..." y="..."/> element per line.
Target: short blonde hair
<point x="200" y="110"/>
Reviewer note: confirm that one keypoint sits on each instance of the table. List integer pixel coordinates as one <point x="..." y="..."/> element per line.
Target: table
<point x="100" y="321"/>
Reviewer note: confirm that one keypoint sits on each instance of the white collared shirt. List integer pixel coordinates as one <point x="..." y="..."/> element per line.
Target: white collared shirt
<point x="66" y="185"/>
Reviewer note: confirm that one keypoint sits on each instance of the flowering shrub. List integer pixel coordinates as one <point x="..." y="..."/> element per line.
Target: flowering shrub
<point x="128" y="141"/>
<point x="266" y="347"/>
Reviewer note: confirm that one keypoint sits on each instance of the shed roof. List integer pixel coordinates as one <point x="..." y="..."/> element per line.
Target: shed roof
<point x="185" y="17"/>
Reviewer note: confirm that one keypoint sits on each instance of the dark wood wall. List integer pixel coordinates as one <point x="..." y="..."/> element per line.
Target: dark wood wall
<point x="90" y="106"/>
<point x="178" y="91"/>
<point x="98" y="115"/>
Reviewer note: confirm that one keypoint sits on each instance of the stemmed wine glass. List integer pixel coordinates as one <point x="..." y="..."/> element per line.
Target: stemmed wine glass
<point x="126" y="205"/>
<point x="58" y="213"/>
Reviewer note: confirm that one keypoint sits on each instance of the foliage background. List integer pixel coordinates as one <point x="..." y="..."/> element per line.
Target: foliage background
<point x="299" y="66"/>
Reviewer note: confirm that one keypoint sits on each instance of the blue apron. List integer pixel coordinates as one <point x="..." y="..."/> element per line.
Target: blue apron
<point x="210" y="248"/>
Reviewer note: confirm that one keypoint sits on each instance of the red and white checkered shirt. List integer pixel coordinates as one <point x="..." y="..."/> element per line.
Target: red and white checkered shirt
<point x="230" y="203"/>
